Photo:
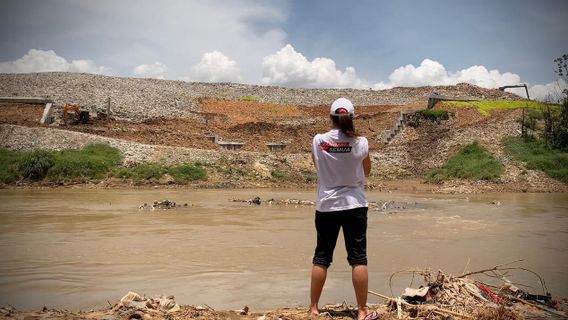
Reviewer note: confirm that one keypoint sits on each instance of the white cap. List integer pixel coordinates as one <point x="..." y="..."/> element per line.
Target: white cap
<point x="344" y="104"/>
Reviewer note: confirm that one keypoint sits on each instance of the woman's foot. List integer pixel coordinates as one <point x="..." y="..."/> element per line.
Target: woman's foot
<point x="313" y="312"/>
<point x="365" y="314"/>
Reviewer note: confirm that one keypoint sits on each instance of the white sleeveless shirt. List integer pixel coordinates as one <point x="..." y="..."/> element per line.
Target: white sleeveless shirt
<point x="339" y="166"/>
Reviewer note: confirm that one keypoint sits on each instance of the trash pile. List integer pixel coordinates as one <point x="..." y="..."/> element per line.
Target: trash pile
<point x="462" y="297"/>
<point x="272" y="201"/>
<point x="392" y="206"/>
<point x="132" y="302"/>
<point x="381" y="206"/>
<point x="164" y="204"/>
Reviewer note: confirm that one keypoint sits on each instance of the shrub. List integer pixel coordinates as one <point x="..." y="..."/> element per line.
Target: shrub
<point x="91" y="162"/>
<point x="144" y="171"/>
<point x="471" y="162"/>
<point x="9" y="166"/>
<point x="538" y="156"/>
<point x="187" y="172"/>
<point x="277" y="174"/>
<point x="35" y="165"/>
<point x="246" y="98"/>
<point x="430" y="115"/>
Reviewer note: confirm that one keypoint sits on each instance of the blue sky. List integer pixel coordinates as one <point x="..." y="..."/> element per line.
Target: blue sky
<point x="362" y="44"/>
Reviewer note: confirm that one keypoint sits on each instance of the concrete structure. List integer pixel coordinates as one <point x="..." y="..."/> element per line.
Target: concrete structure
<point x="26" y="100"/>
<point x="46" y="118"/>
<point x="276" y="146"/>
<point x="399" y="125"/>
<point x="231" y="145"/>
<point x="212" y="137"/>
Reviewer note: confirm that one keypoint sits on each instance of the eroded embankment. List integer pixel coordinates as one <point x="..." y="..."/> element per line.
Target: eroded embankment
<point x="402" y="159"/>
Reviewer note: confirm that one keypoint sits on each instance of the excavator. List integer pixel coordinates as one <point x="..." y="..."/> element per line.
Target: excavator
<point x="72" y="114"/>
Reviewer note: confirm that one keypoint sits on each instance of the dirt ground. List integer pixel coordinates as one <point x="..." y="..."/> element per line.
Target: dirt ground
<point x="407" y="158"/>
<point x="253" y="123"/>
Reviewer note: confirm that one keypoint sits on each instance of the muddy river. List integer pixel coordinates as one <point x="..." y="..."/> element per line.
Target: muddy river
<point x="77" y="249"/>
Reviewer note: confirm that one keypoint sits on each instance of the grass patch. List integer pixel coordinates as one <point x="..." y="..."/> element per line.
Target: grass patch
<point x="246" y="98"/>
<point x="92" y="162"/>
<point x="484" y="106"/>
<point x="35" y="165"/>
<point x="277" y="174"/>
<point x="154" y="171"/>
<point x="186" y="172"/>
<point x="9" y="162"/>
<point x="471" y="162"/>
<point x="537" y="156"/>
<point x="97" y="161"/>
<point x="144" y="171"/>
<point x="431" y="115"/>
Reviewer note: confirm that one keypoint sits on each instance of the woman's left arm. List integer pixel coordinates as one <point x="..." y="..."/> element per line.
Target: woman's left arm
<point x="367" y="165"/>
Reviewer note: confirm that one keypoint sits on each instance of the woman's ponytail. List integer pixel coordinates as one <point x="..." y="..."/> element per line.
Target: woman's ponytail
<point x="345" y="123"/>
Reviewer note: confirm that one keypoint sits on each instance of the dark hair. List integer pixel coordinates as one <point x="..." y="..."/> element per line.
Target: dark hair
<point x="345" y="123"/>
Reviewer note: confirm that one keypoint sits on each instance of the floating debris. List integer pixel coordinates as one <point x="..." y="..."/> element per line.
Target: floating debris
<point x="164" y="204"/>
<point x="392" y="206"/>
<point x="272" y="201"/>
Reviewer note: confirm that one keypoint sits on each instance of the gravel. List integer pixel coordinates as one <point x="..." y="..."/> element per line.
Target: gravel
<point x="140" y="99"/>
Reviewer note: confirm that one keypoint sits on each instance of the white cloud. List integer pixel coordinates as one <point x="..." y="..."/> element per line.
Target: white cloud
<point x="155" y="70"/>
<point x="245" y="31"/>
<point x="550" y="92"/>
<point x="44" y="61"/>
<point x="216" y="67"/>
<point x="290" y="68"/>
<point x="430" y="73"/>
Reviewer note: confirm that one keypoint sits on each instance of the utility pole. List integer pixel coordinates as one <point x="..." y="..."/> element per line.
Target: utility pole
<point x="108" y="114"/>
<point x="524" y="129"/>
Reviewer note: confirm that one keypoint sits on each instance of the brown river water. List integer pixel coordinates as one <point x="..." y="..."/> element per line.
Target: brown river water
<point x="76" y="249"/>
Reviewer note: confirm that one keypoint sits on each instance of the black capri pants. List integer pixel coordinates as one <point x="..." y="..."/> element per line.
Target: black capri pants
<point x="354" y="225"/>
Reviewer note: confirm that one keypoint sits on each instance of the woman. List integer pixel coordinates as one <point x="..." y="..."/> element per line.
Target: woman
<point x="342" y="163"/>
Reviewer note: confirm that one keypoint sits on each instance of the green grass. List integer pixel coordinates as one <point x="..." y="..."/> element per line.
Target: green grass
<point x="485" y="106"/>
<point x="277" y="174"/>
<point x="537" y="156"/>
<point x="432" y="115"/>
<point x="93" y="162"/>
<point x="154" y="171"/>
<point x="144" y="171"/>
<point x="186" y="172"/>
<point x="9" y="163"/>
<point x="246" y="98"/>
<point x="72" y="165"/>
<point x="471" y="162"/>
<point x="80" y="165"/>
<point x="35" y="165"/>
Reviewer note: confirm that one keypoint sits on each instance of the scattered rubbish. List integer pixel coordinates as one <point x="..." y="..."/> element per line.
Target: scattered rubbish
<point x="164" y="204"/>
<point x="133" y="300"/>
<point x="392" y="206"/>
<point x="272" y="201"/>
<point x="243" y="312"/>
<point x="417" y="295"/>
<point x="497" y="203"/>
<point x="462" y="297"/>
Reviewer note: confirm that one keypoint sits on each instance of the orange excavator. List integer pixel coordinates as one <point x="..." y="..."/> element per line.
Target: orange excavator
<point x="72" y="114"/>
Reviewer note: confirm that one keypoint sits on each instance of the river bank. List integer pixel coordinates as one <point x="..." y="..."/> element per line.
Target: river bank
<point x="456" y="186"/>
